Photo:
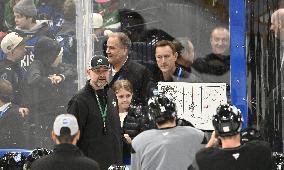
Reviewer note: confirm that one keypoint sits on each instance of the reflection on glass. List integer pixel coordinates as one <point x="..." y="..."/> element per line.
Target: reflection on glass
<point x="197" y="29"/>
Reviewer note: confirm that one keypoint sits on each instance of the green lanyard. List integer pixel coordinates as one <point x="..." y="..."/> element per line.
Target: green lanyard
<point x="103" y="112"/>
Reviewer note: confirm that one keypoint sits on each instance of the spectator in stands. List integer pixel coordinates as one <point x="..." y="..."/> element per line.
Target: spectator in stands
<point x="99" y="38"/>
<point x="2" y="7"/>
<point x="167" y="70"/>
<point x="66" y="155"/>
<point x="133" y="119"/>
<point x="169" y="146"/>
<point x="9" y="18"/>
<point x="11" y="120"/>
<point x="66" y="36"/>
<point x="27" y="26"/>
<point x="44" y="84"/>
<point x="13" y="45"/>
<point x="118" y="46"/>
<point x="215" y="67"/>
<point x="51" y="10"/>
<point x="109" y="10"/>
<point x="185" y="52"/>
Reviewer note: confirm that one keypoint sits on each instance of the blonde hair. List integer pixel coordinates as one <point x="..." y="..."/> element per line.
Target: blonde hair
<point x="122" y="84"/>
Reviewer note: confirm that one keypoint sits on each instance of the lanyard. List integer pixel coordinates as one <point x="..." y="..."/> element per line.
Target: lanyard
<point x="102" y="112"/>
<point x="179" y="73"/>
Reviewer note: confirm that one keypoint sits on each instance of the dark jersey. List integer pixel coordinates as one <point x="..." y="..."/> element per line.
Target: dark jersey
<point x="255" y="155"/>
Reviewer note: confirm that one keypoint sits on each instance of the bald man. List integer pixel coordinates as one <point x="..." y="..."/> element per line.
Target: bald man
<point x="215" y="67"/>
<point x="220" y="40"/>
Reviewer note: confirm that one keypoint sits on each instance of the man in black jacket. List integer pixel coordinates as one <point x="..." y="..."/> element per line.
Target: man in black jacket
<point x="215" y="67"/>
<point x="66" y="155"/>
<point x="118" y="46"/>
<point x="11" y="120"/>
<point x="13" y="45"/>
<point x="95" y="107"/>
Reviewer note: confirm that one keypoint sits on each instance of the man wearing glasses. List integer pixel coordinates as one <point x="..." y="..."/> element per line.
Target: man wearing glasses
<point x="95" y="107"/>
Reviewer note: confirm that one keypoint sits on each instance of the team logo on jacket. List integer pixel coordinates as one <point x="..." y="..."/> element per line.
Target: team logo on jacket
<point x="236" y="155"/>
<point x="114" y="103"/>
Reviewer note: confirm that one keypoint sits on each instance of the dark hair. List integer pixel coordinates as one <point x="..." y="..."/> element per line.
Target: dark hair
<point x="46" y="50"/>
<point x="69" y="9"/>
<point x="65" y="136"/>
<point x="164" y="43"/>
<point x="132" y="23"/>
<point x="179" y="47"/>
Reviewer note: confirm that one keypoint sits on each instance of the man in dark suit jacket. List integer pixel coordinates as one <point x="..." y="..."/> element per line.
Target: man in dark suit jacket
<point x="118" y="46"/>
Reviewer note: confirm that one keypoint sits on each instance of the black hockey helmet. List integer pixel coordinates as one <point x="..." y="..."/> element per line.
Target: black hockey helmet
<point x="162" y="109"/>
<point x="227" y="121"/>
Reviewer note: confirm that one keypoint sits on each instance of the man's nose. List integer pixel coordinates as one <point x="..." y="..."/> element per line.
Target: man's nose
<point x="220" y="42"/>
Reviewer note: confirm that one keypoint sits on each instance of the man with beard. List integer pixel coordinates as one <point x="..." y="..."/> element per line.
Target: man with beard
<point x="215" y="67"/>
<point x="95" y="107"/>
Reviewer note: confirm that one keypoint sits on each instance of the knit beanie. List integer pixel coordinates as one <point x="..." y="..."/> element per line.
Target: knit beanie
<point x="26" y="7"/>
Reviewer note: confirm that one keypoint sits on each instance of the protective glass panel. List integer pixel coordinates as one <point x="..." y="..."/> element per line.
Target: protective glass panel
<point x="38" y="62"/>
<point x="264" y="69"/>
<point x="60" y="37"/>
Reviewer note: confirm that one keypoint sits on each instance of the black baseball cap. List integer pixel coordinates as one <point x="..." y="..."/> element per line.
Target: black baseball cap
<point x="99" y="61"/>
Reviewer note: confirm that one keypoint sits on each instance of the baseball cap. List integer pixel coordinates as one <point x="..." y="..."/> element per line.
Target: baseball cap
<point x="11" y="41"/>
<point x="99" y="61"/>
<point x="65" y="120"/>
<point x="96" y="20"/>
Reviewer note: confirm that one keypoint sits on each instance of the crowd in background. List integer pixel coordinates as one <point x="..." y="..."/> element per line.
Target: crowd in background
<point x="38" y="70"/>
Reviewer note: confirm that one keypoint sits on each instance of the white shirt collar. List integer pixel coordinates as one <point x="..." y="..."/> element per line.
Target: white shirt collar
<point x="113" y="72"/>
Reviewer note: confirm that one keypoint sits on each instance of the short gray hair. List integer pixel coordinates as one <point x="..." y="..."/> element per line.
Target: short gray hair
<point x="184" y="41"/>
<point x="123" y="39"/>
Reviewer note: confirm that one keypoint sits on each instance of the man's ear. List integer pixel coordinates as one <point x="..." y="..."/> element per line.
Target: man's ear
<point x="53" y="136"/>
<point x="78" y="135"/>
<point x="126" y="50"/>
<point x="175" y="55"/>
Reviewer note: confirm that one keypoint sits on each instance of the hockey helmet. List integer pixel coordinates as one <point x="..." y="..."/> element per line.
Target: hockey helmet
<point x="227" y="121"/>
<point x="162" y="108"/>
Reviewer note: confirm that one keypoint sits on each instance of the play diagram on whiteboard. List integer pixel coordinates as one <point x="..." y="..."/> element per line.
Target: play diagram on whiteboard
<point x="196" y="102"/>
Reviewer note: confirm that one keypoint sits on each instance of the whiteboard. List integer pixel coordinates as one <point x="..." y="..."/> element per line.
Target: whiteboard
<point x="196" y="102"/>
